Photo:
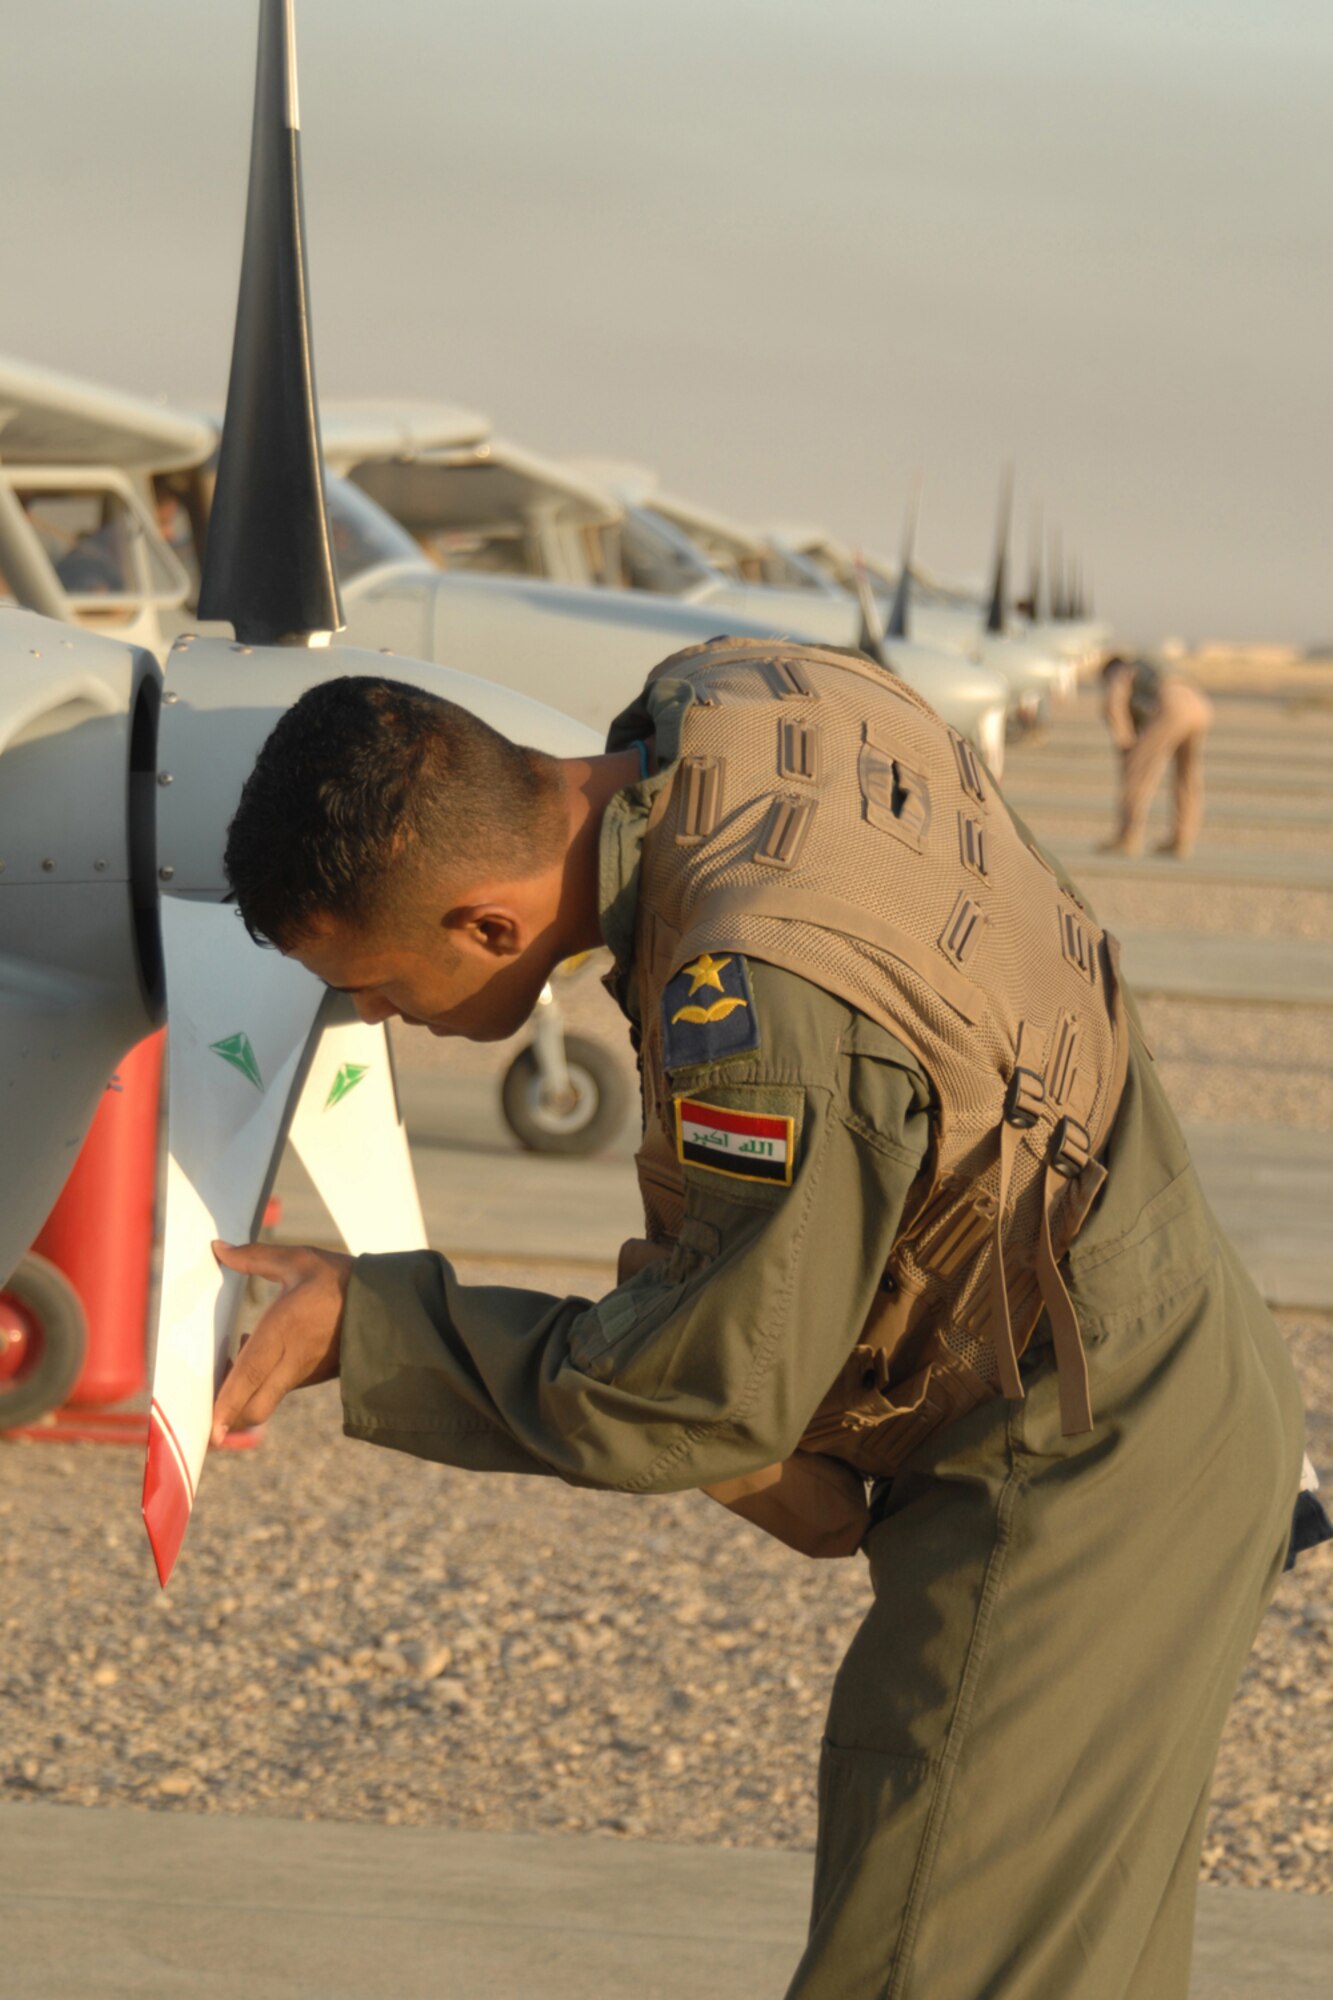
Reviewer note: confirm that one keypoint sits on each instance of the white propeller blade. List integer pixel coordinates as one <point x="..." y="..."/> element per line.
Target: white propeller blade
<point x="349" y="1134"/>
<point x="240" y="1022"/>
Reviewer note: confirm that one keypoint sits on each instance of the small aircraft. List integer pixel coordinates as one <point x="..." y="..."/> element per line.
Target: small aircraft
<point x="81" y="527"/>
<point x="479" y="503"/>
<point x="950" y="616"/>
<point x="499" y="518"/>
<point x="117" y="780"/>
<point x="452" y="545"/>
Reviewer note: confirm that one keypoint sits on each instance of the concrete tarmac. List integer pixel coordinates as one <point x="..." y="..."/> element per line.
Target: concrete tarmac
<point x="1288" y="778"/>
<point x="1222" y="806"/>
<point x="1247" y="867"/>
<point x="1192" y="966"/>
<point x="1226" y="770"/>
<point x="123" y="1904"/>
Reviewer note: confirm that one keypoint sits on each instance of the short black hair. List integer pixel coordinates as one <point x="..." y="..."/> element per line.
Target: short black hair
<point x="363" y="777"/>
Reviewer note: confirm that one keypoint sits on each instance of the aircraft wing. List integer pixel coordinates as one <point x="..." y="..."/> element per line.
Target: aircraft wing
<point x="52" y="419"/>
<point x="381" y="428"/>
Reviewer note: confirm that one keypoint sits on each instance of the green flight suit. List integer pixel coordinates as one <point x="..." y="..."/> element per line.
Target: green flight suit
<point x="1020" y="1741"/>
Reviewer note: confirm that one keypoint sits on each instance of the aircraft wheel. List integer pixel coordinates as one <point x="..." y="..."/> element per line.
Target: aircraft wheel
<point x="587" y="1117"/>
<point x="43" y="1338"/>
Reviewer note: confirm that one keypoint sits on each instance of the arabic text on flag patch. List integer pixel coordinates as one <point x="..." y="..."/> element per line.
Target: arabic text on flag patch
<point x="750" y="1145"/>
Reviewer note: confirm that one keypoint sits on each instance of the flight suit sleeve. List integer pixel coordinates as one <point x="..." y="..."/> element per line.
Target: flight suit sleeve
<point x="708" y="1364"/>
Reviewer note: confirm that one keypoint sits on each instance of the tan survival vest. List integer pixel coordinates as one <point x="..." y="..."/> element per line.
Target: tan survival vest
<point x="822" y="818"/>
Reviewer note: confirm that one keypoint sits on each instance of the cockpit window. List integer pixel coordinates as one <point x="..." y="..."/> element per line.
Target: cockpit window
<point x="789" y="571"/>
<point x="654" y="557"/>
<point x="89" y="541"/>
<point x="364" y="536"/>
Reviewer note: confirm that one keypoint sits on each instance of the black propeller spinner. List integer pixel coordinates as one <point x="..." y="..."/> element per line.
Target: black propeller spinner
<point x="268" y="566"/>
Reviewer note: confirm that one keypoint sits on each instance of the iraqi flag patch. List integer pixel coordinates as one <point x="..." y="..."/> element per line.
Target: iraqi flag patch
<point x="749" y="1145"/>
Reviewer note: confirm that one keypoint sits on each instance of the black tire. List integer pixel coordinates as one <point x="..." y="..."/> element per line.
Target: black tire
<point x="595" y="1115"/>
<point x="55" y="1340"/>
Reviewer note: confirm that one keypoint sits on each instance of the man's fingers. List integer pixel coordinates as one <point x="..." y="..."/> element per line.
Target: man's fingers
<point x="295" y="1342"/>
<point x="276" y="1261"/>
<point x="253" y="1364"/>
<point x="255" y="1384"/>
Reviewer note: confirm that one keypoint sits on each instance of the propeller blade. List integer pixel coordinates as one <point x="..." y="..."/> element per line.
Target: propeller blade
<point x="900" y="613"/>
<point x="1035" y="537"/>
<point x="996" y="618"/>
<point x="269" y="567"/>
<point x="1058" y="612"/>
<point x="240" y="1022"/>
<point x="871" y="640"/>
<point x="349" y="1135"/>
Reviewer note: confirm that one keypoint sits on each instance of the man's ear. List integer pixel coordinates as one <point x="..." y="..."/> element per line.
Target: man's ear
<point x="487" y="927"/>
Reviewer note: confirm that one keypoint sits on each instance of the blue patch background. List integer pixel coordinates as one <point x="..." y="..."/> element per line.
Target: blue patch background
<point x="686" y="1043"/>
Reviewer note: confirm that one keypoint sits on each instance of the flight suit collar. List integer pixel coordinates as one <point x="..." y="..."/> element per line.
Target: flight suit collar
<point x="655" y="716"/>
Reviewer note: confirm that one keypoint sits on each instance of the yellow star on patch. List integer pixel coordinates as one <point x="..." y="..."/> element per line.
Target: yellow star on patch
<point x="706" y="971"/>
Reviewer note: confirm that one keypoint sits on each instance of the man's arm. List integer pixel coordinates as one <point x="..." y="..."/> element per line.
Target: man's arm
<point x="700" y="1368"/>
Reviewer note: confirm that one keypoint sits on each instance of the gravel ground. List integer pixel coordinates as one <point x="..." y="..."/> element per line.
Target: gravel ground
<point x="353" y="1635"/>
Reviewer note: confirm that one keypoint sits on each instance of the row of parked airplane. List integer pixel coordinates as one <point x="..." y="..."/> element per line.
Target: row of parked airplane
<point x="536" y="596"/>
<point x="563" y="581"/>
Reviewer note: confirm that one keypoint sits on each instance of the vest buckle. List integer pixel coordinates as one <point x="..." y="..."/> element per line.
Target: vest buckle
<point x="1025" y="1099"/>
<point x="1071" y="1148"/>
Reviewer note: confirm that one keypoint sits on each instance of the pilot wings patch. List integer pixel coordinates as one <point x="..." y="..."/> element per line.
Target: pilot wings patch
<point x="708" y="1012"/>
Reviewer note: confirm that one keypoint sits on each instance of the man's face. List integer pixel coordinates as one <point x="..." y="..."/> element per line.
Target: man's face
<point x="478" y="978"/>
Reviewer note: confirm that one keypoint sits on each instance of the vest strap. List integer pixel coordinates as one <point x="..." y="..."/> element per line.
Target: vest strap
<point x="1002" y="1328"/>
<point x="1070" y="1360"/>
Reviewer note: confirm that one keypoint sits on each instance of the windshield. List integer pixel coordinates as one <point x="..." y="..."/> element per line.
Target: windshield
<point x="364" y="536"/>
<point x="102" y="546"/>
<point x="655" y="557"/>
<point x="787" y="570"/>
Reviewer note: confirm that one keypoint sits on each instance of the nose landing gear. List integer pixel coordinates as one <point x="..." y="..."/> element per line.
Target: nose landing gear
<point x="563" y="1093"/>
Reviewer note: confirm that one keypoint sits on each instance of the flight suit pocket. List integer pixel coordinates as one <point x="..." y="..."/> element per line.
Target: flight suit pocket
<point x="696" y="1247"/>
<point x="1171" y="1246"/>
<point x="662" y="1191"/>
<point x="610" y="1338"/>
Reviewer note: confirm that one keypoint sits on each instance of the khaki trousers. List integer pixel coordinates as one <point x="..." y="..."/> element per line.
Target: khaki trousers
<point x="1176" y="731"/>
<point x="1020" y="1744"/>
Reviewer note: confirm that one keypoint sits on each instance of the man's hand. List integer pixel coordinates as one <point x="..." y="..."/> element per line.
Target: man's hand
<point x="295" y="1342"/>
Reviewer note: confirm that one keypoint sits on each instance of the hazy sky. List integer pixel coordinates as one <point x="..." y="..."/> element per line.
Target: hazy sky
<point x="783" y="250"/>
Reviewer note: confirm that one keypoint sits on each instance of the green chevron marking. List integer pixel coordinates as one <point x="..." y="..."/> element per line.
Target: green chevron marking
<point x="347" y="1079"/>
<point x="236" y="1050"/>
